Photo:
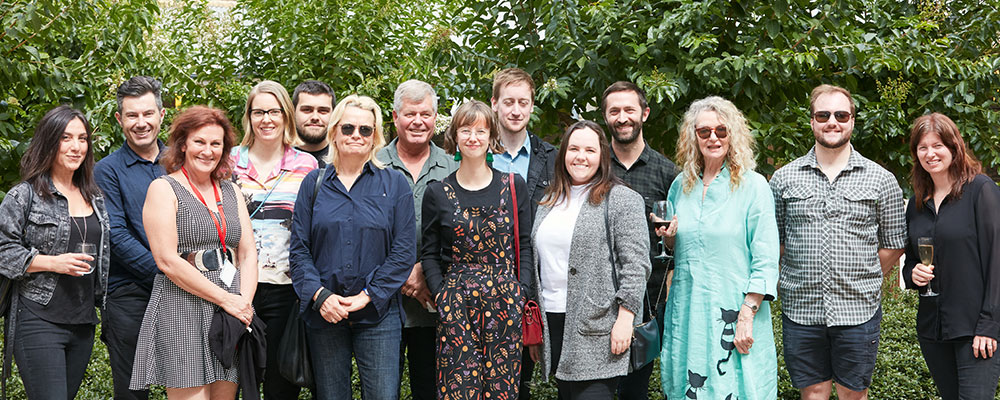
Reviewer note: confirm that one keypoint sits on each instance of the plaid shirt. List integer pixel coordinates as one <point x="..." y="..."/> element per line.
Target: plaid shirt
<point x="830" y="272"/>
<point x="650" y="175"/>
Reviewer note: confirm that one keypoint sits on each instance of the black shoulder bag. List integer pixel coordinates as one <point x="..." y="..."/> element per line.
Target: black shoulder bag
<point x="647" y="337"/>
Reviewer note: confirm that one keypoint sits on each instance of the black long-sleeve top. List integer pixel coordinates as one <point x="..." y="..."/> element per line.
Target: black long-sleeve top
<point x="966" y="234"/>
<point x="450" y="234"/>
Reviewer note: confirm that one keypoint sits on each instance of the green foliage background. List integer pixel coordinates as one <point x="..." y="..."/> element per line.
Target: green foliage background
<point x="901" y="59"/>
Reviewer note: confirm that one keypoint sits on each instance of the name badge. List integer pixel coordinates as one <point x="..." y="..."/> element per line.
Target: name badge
<point x="227" y="273"/>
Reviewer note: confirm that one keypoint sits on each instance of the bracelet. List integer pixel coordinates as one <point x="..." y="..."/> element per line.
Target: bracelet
<point x="365" y="290"/>
<point x="324" y="294"/>
<point x="753" y="308"/>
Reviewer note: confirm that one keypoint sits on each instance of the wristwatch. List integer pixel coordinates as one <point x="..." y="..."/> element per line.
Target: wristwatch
<point x="753" y="307"/>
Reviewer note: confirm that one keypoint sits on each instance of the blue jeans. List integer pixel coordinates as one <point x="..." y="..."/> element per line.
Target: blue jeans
<point x="375" y="348"/>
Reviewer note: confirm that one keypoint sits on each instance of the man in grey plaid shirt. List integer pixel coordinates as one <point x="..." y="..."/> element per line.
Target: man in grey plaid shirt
<point x="842" y="227"/>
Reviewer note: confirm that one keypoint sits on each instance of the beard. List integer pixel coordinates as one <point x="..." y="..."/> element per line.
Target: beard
<point x="308" y="138"/>
<point x="626" y="138"/>
<point x="843" y="140"/>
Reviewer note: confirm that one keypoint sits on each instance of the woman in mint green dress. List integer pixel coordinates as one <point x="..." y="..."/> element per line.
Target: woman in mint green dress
<point x="718" y="341"/>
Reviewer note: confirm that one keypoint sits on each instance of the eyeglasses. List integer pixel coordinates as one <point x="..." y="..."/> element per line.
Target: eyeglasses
<point x="274" y="113"/>
<point x="364" y="130"/>
<point x="705" y="132"/>
<point x="841" y="116"/>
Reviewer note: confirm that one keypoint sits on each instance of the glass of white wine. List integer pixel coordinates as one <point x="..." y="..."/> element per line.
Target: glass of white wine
<point x="925" y="246"/>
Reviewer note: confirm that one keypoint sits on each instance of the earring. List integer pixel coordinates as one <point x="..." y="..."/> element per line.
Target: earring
<point x="458" y="155"/>
<point x="489" y="157"/>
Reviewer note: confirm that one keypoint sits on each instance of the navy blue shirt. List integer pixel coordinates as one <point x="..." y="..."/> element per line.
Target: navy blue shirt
<point x="347" y="241"/>
<point x="124" y="177"/>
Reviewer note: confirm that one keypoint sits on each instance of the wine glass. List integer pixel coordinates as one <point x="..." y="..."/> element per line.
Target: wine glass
<point x="89" y="249"/>
<point x="664" y="210"/>
<point x="925" y="247"/>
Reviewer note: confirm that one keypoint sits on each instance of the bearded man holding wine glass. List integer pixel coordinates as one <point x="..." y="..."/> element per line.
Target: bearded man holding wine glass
<point x="955" y="213"/>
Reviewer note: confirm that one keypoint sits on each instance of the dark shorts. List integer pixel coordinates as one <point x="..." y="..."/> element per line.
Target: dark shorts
<point x="845" y="354"/>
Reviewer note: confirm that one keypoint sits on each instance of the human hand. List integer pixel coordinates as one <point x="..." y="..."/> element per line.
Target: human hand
<point x="983" y="346"/>
<point x="239" y="307"/>
<point x="922" y="274"/>
<point x="356" y="302"/>
<point x="668" y="232"/>
<point x="72" y="264"/>
<point x="621" y="332"/>
<point x="416" y="287"/>
<point x="535" y="351"/>
<point x="332" y="310"/>
<point x="744" y="331"/>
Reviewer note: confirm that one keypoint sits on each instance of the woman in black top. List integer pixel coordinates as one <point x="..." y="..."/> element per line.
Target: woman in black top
<point x="54" y="244"/>
<point x="469" y="263"/>
<point x="958" y="208"/>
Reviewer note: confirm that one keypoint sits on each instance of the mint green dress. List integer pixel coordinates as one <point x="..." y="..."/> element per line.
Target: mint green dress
<point x="726" y="246"/>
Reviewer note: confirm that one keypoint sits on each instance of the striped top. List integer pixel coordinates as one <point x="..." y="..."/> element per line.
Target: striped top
<point x="271" y="214"/>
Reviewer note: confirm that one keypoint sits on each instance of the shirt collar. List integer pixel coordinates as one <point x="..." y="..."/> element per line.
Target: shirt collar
<point x="243" y="157"/>
<point x="644" y="156"/>
<point x="853" y="161"/>
<point x="131" y="157"/>
<point x="435" y="157"/>
<point x="525" y="147"/>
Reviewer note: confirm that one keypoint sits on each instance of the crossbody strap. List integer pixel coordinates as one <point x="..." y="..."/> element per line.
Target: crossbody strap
<point x="517" y="233"/>
<point x="614" y="263"/>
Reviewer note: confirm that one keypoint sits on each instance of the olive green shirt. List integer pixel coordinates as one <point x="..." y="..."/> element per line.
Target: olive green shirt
<point x="438" y="166"/>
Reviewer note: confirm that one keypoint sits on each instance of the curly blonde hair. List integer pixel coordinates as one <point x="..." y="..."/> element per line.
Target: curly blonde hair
<point x="740" y="157"/>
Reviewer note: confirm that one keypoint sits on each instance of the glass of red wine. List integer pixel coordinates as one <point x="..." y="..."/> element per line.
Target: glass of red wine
<point x="664" y="212"/>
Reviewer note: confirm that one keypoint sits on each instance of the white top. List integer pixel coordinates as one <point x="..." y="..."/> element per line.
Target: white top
<point x="552" y="244"/>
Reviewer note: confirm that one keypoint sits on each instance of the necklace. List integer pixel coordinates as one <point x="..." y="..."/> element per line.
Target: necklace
<point x="81" y="231"/>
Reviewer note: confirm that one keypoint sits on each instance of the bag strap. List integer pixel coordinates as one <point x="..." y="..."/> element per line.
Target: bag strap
<point x="614" y="263"/>
<point x="319" y="181"/>
<point x="8" y="350"/>
<point x="517" y="233"/>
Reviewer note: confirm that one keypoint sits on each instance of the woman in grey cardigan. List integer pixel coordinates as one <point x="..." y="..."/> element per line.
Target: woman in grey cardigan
<point x="586" y="345"/>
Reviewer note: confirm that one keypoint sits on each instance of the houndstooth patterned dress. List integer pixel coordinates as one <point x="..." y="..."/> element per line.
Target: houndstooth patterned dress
<point x="173" y="348"/>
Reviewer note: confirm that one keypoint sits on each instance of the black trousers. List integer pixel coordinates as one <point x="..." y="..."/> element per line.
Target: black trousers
<point x="120" y="322"/>
<point x="598" y="389"/>
<point x="420" y="350"/>
<point x="273" y="304"/>
<point x="959" y="375"/>
<point x="51" y="358"/>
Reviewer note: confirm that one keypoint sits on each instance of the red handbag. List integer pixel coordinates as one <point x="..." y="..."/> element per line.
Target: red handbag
<point x="531" y="318"/>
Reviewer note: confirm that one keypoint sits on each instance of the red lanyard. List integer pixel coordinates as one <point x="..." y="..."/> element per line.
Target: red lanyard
<point x="218" y="203"/>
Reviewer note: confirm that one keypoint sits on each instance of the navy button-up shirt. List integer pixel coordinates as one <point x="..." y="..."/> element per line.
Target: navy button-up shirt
<point x="124" y="177"/>
<point x="350" y="240"/>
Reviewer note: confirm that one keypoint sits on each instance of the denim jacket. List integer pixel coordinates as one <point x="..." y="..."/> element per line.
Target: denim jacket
<point x="46" y="232"/>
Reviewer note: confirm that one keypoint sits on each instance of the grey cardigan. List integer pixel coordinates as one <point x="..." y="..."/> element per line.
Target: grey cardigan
<point x="591" y="300"/>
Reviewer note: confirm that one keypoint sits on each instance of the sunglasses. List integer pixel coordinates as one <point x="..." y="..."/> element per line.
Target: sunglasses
<point x="823" y="116"/>
<point x="364" y="130"/>
<point x="706" y="132"/>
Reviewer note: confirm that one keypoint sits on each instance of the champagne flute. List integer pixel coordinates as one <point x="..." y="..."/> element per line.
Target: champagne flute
<point x="925" y="246"/>
<point x="663" y="210"/>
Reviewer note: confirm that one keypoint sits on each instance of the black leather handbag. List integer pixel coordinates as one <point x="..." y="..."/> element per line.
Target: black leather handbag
<point x="647" y="337"/>
<point x="294" y="362"/>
